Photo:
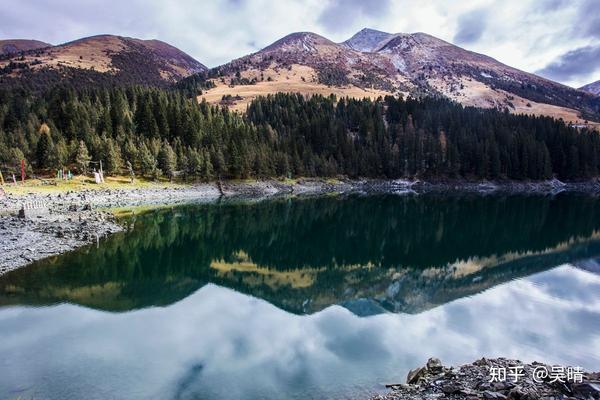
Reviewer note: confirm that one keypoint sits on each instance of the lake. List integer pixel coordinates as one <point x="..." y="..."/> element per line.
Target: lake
<point x="305" y="298"/>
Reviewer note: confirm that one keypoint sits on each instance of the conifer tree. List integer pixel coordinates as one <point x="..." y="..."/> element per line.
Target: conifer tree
<point x="82" y="158"/>
<point x="147" y="161"/>
<point x="167" y="160"/>
<point x="112" y="157"/>
<point x="44" y="147"/>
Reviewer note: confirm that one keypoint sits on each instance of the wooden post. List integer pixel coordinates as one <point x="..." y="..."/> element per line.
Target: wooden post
<point x="23" y="171"/>
<point x="1" y="179"/>
<point x="101" y="173"/>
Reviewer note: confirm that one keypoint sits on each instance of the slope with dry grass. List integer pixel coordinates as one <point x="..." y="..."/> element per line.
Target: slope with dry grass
<point x="374" y="63"/>
<point x="98" y="59"/>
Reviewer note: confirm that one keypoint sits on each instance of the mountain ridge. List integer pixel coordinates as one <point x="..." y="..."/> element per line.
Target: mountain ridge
<point x="373" y="63"/>
<point x="593" y="88"/>
<point x="367" y="39"/>
<point x="99" y="59"/>
<point x="13" y="46"/>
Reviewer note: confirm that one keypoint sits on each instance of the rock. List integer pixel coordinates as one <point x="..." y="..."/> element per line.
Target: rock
<point x="472" y="381"/>
<point x="493" y="395"/>
<point x="415" y="374"/>
<point x="434" y="365"/>
<point x="586" y="390"/>
<point x="497" y="386"/>
<point x="451" y="388"/>
<point x="520" y="393"/>
<point x="468" y="392"/>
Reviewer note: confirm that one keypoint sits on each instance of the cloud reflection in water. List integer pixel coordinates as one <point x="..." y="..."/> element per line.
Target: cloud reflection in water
<point x="218" y="343"/>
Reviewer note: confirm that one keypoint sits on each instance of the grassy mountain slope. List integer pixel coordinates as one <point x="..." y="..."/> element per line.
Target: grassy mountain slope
<point x="372" y="63"/>
<point x="11" y="46"/>
<point x="99" y="59"/>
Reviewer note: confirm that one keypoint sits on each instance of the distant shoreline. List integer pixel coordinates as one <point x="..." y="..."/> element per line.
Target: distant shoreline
<point x="69" y="219"/>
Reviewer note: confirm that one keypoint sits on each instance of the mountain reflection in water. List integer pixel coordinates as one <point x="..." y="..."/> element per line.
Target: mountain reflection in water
<point x="221" y="344"/>
<point x="370" y="254"/>
<point x="305" y="298"/>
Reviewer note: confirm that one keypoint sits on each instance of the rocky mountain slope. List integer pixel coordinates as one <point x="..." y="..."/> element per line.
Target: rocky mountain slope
<point x="372" y="63"/>
<point x="369" y="64"/>
<point x="307" y="63"/>
<point x="99" y="59"/>
<point x="367" y="40"/>
<point x="593" y="88"/>
<point x="12" y="46"/>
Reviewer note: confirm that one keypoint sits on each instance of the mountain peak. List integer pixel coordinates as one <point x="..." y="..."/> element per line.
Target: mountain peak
<point x="99" y="59"/>
<point x="12" y="46"/>
<point x="367" y="40"/>
<point x="298" y="41"/>
<point x="593" y="88"/>
<point x="374" y="63"/>
<point x="371" y="31"/>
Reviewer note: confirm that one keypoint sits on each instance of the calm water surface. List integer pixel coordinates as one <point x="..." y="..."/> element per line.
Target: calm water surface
<point x="305" y="298"/>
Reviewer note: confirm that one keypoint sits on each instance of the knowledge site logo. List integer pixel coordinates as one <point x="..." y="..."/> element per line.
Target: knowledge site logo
<point x="539" y="374"/>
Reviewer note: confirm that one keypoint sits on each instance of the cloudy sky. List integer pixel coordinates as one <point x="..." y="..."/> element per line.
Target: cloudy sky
<point x="559" y="39"/>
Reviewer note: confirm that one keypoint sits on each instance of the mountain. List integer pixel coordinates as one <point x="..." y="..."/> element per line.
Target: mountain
<point x="371" y="63"/>
<point x="474" y="79"/>
<point x="11" y="46"/>
<point x="593" y="88"/>
<point x="99" y="59"/>
<point x="303" y="62"/>
<point x="367" y="40"/>
<point x="374" y="63"/>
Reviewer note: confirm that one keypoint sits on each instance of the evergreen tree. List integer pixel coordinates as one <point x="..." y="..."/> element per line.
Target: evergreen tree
<point x="45" y="147"/>
<point x="83" y="158"/>
<point x="112" y="157"/>
<point x="147" y="161"/>
<point x="14" y="162"/>
<point x="207" y="172"/>
<point x="60" y="154"/>
<point x="167" y="160"/>
<point x="194" y="163"/>
<point x="290" y="135"/>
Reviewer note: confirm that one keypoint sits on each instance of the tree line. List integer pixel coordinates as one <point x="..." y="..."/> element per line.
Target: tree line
<point x="163" y="132"/>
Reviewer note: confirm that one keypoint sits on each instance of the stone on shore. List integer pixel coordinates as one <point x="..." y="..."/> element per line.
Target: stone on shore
<point x="473" y="381"/>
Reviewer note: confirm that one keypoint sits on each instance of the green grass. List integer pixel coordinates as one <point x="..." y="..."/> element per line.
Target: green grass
<point x="79" y="183"/>
<point x="128" y="211"/>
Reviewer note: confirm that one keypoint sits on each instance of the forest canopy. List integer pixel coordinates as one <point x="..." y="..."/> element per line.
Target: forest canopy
<point x="164" y="132"/>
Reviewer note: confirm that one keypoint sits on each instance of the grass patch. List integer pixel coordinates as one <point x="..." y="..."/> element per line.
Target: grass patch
<point x="130" y="211"/>
<point x="81" y="182"/>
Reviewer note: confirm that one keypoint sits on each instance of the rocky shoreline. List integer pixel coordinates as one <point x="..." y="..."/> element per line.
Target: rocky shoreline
<point x="73" y="219"/>
<point x="319" y="186"/>
<point x="484" y="379"/>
